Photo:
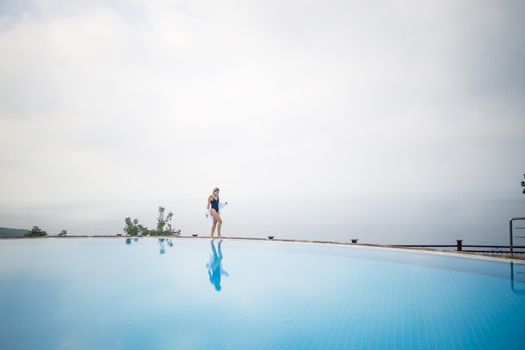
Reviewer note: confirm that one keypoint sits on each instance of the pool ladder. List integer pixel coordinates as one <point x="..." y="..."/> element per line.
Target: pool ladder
<point x="511" y="232"/>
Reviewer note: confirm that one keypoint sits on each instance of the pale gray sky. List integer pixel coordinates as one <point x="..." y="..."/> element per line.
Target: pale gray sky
<point x="303" y="112"/>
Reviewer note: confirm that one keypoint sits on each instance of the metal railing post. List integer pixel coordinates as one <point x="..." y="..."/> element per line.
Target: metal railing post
<point x="510" y="233"/>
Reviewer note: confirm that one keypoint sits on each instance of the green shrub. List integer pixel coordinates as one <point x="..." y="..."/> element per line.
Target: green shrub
<point x="36" y="232"/>
<point x="163" y="228"/>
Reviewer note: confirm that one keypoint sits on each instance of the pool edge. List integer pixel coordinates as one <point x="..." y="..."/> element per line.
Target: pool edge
<point x="310" y="242"/>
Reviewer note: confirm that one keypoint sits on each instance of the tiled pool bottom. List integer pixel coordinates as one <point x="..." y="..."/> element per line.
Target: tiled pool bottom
<point x="146" y="294"/>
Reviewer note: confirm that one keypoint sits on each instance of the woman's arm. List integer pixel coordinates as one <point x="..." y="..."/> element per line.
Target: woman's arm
<point x="209" y="201"/>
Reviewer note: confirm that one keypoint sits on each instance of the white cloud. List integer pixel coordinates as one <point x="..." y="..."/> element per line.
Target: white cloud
<point x="107" y="101"/>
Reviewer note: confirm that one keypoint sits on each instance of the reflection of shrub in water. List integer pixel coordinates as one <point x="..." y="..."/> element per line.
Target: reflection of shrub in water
<point x="162" y="242"/>
<point x="128" y="240"/>
<point x="162" y="249"/>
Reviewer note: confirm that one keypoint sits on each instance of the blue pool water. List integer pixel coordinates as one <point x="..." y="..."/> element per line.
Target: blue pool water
<point x="187" y="294"/>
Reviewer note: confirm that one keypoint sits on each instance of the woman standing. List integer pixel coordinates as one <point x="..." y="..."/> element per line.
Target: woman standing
<point x="213" y="201"/>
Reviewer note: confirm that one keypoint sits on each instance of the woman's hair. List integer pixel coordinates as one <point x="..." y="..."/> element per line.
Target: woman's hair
<point x="215" y="189"/>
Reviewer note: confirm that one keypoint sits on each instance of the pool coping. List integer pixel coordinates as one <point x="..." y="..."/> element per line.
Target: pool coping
<point x="386" y="247"/>
<point x="414" y="250"/>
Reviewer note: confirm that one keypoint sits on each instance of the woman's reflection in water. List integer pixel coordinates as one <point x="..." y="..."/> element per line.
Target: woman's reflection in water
<point x="215" y="270"/>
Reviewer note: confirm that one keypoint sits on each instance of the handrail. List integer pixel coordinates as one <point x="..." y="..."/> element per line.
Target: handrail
<point x="511" y="234"/>
<point x="455" y="245"/>
<point x="480" y="248"/>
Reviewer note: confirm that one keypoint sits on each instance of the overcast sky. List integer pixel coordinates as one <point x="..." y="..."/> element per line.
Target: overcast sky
<point x="111" y="108"/>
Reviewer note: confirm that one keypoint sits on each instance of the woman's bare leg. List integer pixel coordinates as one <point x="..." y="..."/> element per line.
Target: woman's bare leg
<point x="217" y="221"/>
<point x="219" y="224"/>
<point x="213" y="228"/>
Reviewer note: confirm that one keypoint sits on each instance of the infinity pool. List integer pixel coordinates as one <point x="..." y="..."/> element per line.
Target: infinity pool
<point x="113" y="294"/>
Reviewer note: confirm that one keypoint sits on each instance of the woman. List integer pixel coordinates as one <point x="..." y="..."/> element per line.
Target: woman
<point x="213" y="201"/>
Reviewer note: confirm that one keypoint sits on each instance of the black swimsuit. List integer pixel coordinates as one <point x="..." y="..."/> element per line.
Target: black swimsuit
<point x="215" y="204"/>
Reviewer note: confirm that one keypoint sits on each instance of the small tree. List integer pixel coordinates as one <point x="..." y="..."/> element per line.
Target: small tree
<point x="36" y="232"/>
<point x="62" y="233"/>
<point x="163" y="228"/>
<point x="163" y="221"/>
<point x="143" y="230"/>
<point x="132" y="227"/>
<point x="523" y="184"/>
